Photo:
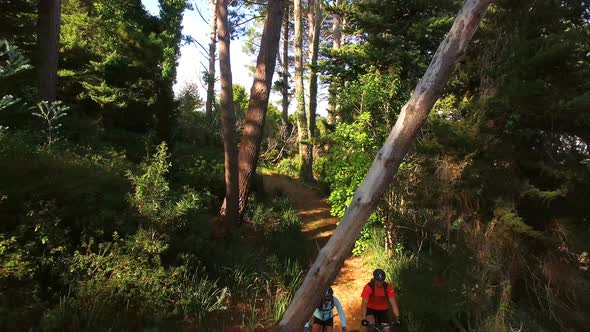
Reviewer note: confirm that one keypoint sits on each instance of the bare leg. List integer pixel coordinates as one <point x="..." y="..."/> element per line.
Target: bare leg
<point x="371" y="320"/>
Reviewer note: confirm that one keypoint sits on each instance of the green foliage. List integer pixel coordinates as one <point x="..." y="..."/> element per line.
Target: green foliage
<point x="171" y="12"/>
<point x="151" y="197"/>
<point x="348" y="161"/>
<point x="116" y="281"/>
<point x="493" y="184"/>
<point x="380" y="95"/>
<point x="94" y="234"/>
<point x="241" y="99"/>
<point x="51" y="115"/>
<point x="288" y="166"/>
<point x="14" y="60"/>
<point x="281" y="227"/>
<point x="119" y="278"/>
<point x="189" y="99"/>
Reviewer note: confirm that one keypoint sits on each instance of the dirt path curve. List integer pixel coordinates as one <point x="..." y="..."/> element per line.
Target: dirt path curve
<point x="318" y="225"/>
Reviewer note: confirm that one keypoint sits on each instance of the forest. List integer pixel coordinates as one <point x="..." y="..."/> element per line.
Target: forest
<point x="445" y="142"/>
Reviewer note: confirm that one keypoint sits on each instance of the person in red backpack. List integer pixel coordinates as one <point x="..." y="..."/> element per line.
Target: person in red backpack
<point x="375" y="296"/>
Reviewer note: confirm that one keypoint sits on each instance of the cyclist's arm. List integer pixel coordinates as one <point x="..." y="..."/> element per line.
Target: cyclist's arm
<point x="340" y="312"/>
<point x="393" y="302"/>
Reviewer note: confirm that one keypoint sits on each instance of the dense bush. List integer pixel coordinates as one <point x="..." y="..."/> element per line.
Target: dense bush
<point x="288" y="166"/>
<point x="98" y="242"/>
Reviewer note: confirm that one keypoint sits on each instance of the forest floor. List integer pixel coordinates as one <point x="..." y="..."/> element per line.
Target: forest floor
<point x="318" y="225"/>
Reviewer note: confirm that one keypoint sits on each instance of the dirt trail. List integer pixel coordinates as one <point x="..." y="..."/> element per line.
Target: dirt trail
<point x="318" y="225"/>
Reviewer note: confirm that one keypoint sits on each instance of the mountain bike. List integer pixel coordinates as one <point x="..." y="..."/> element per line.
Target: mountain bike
<point x="323" y="329"/>
<point x="380" y="327"/>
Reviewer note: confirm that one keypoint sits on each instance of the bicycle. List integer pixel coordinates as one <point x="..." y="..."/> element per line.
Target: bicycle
<point x="378" y="328"/>
<point x="323" y="329"/>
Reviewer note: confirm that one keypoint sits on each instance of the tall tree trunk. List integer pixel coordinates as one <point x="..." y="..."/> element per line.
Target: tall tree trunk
<point x="315" y="18"/>
<point x="228" y="116"/>
<point x="336" y="43"/>
<point x="285" y="71"/>
<point x="386" y="163"/>
<point x="304" y="146"/>
<point x="211" y="73"/>
<point x="258" y="103"/>
<point x="48" y="39"/>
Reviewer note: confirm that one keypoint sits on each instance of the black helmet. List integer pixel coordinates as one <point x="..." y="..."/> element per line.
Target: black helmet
<point x="329" y="293"/>
<point x="379" y="275"/>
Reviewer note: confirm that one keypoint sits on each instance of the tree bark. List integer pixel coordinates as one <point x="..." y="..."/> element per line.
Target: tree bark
<point x="285" y="71"/>
<point x="258" y="103"/>
<point x="303" y="134"/>
<point x="315" y="17"/>
<point x="228" y="117"/>
<point x="336" y="43"/>
<point x="385" y="165"/>
<point x="48" y="39"/>
<point x="211" y="73"/>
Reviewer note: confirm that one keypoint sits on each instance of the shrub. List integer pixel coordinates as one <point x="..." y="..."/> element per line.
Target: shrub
<point x="152" y="192"/>
<point x="123" y="282"/>
<point x="288" y="166"/>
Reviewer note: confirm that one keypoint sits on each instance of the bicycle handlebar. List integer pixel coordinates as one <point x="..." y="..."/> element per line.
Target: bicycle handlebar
<point x="366" y="323"/>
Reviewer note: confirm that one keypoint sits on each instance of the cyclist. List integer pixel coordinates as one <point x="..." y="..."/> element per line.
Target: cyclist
<point x="375" y="296"/>
<point x="322" y="319"/>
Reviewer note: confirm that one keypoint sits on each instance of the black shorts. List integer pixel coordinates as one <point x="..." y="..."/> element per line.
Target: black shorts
<point x="381" y="316"/>
<point x="327" y="322"/>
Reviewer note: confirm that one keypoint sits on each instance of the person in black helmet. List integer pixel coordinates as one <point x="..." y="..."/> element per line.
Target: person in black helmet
<point x="322" y="319"/>
<point x="375" y="296"/>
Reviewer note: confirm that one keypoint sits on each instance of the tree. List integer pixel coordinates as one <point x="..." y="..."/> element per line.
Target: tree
<point x="48" y="39"/>
<point x="315" y="20"/>
<point x="258" y="103"/>
<point x="305" y="152"/>
<point x="210" y="76"/>
<point x="189" y="99"/>
<point x="171" y="12"/>
<point x="120" y="62"/>
<point x="336" y="42"/>
<point x="285" y="70"/>
<point x="228" y="116"/>
<point x="386" y="163"/>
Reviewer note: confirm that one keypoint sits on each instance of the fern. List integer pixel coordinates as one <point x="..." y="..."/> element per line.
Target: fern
<point x="507" y="217"/>
<point x="544" y="195"/>
<point x="15" y="61"/>
<point x="51" y="115"/>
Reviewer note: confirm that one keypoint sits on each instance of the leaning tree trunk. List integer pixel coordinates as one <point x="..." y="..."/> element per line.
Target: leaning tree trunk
<point x="303" y="139"/>
<point x="48" y="39"/>
<point x="285" y="70"/>
<point x="336" y="43"/>
<point x="315" y="16"/>
<point x="228" y="117"/>
<point x="258" y="103"/>
<point x="386" y="163"/>
<point x="211" y="73"/>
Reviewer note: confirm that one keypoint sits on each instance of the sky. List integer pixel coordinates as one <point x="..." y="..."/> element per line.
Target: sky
<point x="193" y="60"/>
